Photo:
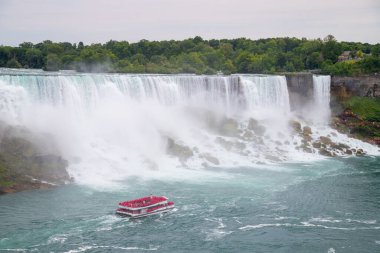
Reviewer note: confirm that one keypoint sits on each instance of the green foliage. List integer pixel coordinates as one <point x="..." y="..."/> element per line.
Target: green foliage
<point x="367" y="108"/>
<point x="13" y="63"/>
<point x="196" y="55"/>
<point x="4" y="176"/>
<point x="53" y="62"/>
<point x="366" y="131"/>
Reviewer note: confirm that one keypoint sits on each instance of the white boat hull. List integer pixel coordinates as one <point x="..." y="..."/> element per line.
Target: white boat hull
<point x="158" y="211"/>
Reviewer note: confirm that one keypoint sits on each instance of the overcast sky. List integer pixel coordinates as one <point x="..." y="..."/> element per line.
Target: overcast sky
<point x="94" y="21"/>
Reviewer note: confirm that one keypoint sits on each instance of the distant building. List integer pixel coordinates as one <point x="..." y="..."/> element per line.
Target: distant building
<point x="345" y="56"/>
<point x="351" y="55"/>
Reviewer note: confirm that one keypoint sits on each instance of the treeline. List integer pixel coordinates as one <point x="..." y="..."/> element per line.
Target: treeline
<point x="199" y="56"/>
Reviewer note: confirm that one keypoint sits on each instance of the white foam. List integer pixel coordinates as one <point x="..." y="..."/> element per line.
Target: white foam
<point x="331" y="250"/>
<point x="110" y="127"/>
<point x="87" y="248"/>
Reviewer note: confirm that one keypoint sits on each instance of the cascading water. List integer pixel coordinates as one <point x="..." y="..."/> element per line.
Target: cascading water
<point x="263" y="92"/>
<point x="321" y="90"/>
<point x="113" y="126"/>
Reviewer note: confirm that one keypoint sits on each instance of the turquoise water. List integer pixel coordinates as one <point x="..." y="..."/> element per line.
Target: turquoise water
<point x="326" y="206"/>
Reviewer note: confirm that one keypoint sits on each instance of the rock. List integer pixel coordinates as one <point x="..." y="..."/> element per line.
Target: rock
<point x="182" y="152"/>
<point x="259" y="140"/>
<point x="317" y="144"/>
<point x="348" y="152"/>
<point x="343" y="146"/>
<point x="325" y="152"/>
<point x="307" y="130"/>
<point x="248" y="135"/>
<point x="325" y="140"/>
<point x="150" y="164"/>
<point x="360" y="152"/>
<point x="252" y="124"/>
<point x="307" y="150"/>
<point x="296" y="126"/>
<point x="211" y="159"/>
<point x="336" y="146"/>
<point x="224" y="143"/>
<point x="256" y="127"/>
<point x="24" y="165"/>
<point x="240" y="145"/>
<point x="229" y="127"/>
<point x="306" y="138"/>
<point x="273" y="158"/>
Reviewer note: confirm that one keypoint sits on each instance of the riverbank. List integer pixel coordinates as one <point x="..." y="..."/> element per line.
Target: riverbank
<point x="25" y="165"/>
<point x="355" y="105"/>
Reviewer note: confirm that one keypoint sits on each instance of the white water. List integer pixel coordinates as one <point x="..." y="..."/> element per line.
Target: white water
<point x="110" y="127"/>
<point x="322" y="98"/>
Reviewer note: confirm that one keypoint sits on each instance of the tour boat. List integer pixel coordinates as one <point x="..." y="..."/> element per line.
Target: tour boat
<point x="145" y="206"/>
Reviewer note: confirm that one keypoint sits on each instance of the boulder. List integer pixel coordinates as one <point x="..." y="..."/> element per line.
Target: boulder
<point x="229" y="127"/>
<point x="256" y="127"/>
<point x="360" y="152"/>
<point x="325" y="140"/>
<point x="306" y="138"/>
<point x="325" y="152"/>
<point x="181" y="151"/>
<point x="278" y="143"/>
<point x="240" y="145"/>
<point x="317" y="144"/>
<point x="348" y="152"/>
<point x="307" y="150"/>
<point x="296" y="126"/>
<point x="306" y="130"/>
<point x="211" y="159"/>
<point x="343" y="146"/>
<point x="248" y="135"/>
<point x="224" y="143"/>
<point x="273" y="158"/>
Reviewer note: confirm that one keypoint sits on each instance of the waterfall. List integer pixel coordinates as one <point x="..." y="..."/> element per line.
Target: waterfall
<point x="321" y="91"/>
<point x="112" y="126"/>
<point x="84" y="91"/>
<point x="266" y="92"/>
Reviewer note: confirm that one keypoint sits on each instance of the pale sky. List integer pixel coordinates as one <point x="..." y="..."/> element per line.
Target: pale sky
<point x="93" y="21"/>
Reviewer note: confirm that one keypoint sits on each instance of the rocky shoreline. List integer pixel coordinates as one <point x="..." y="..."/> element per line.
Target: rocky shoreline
<point x="24" y="165"/>
<point x="354" y="126"/>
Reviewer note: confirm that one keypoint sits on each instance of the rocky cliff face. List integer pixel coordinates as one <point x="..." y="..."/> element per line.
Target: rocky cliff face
<point x="362" y="86"/>
<point x="26" y="162"/>
<point x="355" y="103"/>
<point x="300" y="87"/>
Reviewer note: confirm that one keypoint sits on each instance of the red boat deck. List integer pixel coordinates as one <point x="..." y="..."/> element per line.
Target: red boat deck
<point x="143" y="202"/>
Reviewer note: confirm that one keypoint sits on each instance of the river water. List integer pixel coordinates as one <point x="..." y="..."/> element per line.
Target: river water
<point x="220" y="147"/>
<point x="326" y="206"/>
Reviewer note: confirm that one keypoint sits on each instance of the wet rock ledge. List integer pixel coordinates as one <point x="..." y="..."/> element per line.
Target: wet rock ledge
<point x="27" y="162"/>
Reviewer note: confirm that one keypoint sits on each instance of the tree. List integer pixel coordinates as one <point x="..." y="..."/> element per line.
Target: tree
<point x="375" y="51"/>
<point x="13" y="63"/>
<point x="53" y="63"/>
<point x="331" y="49"/>
<point x="5" y="55"/>
<point x="243" y="62"/>
<point x="34" y="58"/>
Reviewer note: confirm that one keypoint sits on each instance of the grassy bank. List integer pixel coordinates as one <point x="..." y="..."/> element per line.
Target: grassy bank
<point x="360" y="118"/>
